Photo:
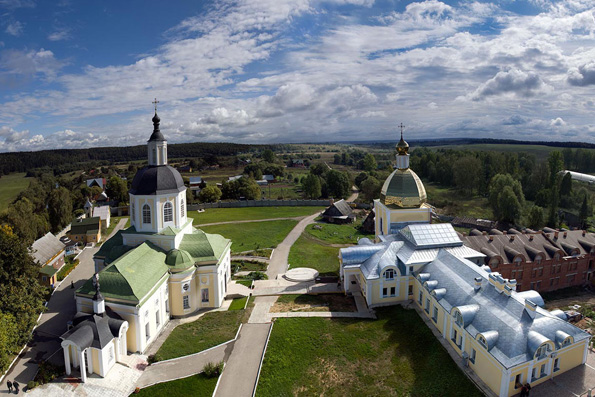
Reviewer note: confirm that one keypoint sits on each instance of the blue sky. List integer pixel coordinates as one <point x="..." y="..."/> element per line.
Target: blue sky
<point x="83" y="73"/>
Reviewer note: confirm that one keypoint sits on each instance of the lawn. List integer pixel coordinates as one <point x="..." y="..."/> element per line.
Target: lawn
<point x="213" y="215"/>
<point x="337" y="234"/>
<point x="195" y="385"/>
<point x="10" y="187"/>
<point x="307" y="252"/>
<point x="396" y="355"/>
<point x="253" y="235"/>
<point x="210" y="330"/>
<point x="314" y="303"/>
<point x="453" y="203"/>
<point x="244" y="282"/>
<point x="238" y="303"/>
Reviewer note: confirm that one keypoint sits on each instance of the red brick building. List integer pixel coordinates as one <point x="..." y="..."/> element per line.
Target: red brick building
<point x="543" y="261"/>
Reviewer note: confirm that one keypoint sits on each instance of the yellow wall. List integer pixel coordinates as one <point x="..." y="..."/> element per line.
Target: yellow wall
<point x="409" y="215"/>
<point x="95" y="357"/>
<point x="485" y="366"/>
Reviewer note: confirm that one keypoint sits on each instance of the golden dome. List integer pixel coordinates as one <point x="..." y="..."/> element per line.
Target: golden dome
<point x="404" y="189"/>
<point x="402" y="146"/>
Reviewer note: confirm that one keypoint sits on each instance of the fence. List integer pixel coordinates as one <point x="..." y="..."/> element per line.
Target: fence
<point x="260" y="203"/>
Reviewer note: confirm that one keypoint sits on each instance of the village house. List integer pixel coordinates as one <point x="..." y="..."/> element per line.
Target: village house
<point x="103" y="212"/>
<point x="48" y="252"/>
<point x="85" y="230"/>
<point x="339" y="212"/>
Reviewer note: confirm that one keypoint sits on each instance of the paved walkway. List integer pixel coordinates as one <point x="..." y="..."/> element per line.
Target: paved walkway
<point x="241" y="372"/>
<point x="184" y="366"/>
<point x="354" y="194"/>
<point x="260" y="312"/>
<point x="278" y="263"/>
<point x="281" y="286"/>
<point x="61" y="308"/>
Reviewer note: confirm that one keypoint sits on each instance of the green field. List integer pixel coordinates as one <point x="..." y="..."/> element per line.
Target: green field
<point x="10" y="187"/>
<point x="396" y="355"/>
<point x="195" y="385"/>
<point x="208" y="331"/>
<point x="253" y="235"/>
<point x="307" y="252"/>
<point x="337" y="234"/>
<point x="213" y="215"/>
<point x="453" y="203"/>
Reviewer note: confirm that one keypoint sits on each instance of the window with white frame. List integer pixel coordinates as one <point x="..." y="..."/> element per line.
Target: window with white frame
<point x="482" y="341"/>
<point x="428" y="305"/>
<point x="384" y="292"/>
<point x="458" y="318"/>
<point x="421" y="295"/>
<point x="146" y="214"/>
<point x="435" y="314"/>
<point x="393" y="291"/>
<point x="541" y="352"/>
<point x="186" y="302"/>
<point x="473" y="355"/>
<point x="389" y="274"/>
<point x="557" y="364"/>
<point x="168" y="212"/>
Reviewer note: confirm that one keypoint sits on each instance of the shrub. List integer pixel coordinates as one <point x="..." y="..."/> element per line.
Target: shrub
<point x="32" y="384"/>
<point x="213" y="370"/>
<point x="257" y="276"/>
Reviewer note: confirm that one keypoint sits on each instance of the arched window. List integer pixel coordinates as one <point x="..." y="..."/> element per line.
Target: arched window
<point x="538" y="259"/>
<point x="132" y="211"/>
<point x="182" y="208"/>
<point x="458" y="318"/>
<point x="154" y="155"/>
<point x="482" y="341"/>
<point x="146" y="214"/>
<point x="168" y="212"/>
<point x="389" y="274"/>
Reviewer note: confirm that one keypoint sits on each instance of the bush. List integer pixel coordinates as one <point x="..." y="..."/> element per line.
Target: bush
<point x="213" y="370"/>
<point x="32" y="384"/>
<point x="69" y="266"/>
<point x="257" y="276"/>
<point x="48" y="372"/>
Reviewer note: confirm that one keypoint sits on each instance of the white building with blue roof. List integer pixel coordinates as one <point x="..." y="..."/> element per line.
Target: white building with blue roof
<point x="504" y="336"/>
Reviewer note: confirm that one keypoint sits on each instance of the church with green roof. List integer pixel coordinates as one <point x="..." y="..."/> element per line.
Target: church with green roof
<point x="160" y="267"/>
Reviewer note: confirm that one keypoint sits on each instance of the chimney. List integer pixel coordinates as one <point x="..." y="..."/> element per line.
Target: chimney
<point x="565" y="234"/>
<point x="556" y="234"/>
<point x="511" y="238"/>
<point x="507" y="290"/>
<point x="491" y="238"/>
<point x="484" y="233"/>
<point x="584" y="232"/>
<point x="530" y="308"/>
<point x="478" y="281"/>
<point x="531" y="238"/>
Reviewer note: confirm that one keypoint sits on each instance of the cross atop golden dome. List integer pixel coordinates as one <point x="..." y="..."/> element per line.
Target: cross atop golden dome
<point x="402" y="146"/>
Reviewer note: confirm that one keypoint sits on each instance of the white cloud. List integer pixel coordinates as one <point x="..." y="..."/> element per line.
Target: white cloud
<point x="557" y="122"/>
<point x="583" y="75"/>
<point x="15" y="28"/>
<point x="59" y="34"/>
<point x="517" y="82"/>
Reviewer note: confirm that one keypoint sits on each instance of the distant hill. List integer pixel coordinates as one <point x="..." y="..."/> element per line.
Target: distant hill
<point x="477" y="141"/>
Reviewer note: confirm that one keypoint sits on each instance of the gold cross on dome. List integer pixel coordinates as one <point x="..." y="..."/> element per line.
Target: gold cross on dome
<point x="401" y="126"/>
<point x="155" y="102"/>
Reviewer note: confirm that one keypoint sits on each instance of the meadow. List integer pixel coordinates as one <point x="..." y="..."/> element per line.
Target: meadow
<point x="10" y="187"/>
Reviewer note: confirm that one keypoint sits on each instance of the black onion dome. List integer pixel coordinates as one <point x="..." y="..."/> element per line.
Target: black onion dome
<point x="156" y="135"/>
<point x="157" y="180"/>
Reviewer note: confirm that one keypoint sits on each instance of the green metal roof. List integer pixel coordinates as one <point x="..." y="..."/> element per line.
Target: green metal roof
<point x="48" y="270"/>
<point x="179" y="260"/>
<point x="404" y="188"/>
<point x="86" y="225"/>
<point x="204" y="247"/>
<point x="113" y="248"/>
<point x="131" y="276"/>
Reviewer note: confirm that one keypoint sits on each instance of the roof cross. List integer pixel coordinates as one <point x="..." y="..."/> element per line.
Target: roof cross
<point x="155" y="102"/>
<point x="401" y="126"/>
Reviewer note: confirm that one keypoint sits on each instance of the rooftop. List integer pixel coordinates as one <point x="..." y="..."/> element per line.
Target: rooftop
<point x="46" y="248"/>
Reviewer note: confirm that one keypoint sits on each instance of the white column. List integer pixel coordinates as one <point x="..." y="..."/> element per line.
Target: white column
<point x="90" y="360"/>
<point x="81" y="358"/>
<point x="67" y="358"/>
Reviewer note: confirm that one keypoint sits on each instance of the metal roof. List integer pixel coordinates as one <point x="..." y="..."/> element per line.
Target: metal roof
<point x="46" y="248"/>
<point x="431" y="235"/>
<point x="159" y="179"/>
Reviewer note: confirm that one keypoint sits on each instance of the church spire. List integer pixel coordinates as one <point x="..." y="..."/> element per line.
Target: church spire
<point x="98" y="301"/>
<point x="157" y="145"/>
<point x="402" y="152"/>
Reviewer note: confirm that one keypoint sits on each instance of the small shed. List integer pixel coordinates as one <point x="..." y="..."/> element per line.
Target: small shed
<point x="48" y="276"/>
<point x="339" y="212"/>
<point x="103" y="213"/>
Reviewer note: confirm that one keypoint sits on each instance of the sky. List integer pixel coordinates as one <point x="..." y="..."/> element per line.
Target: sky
<point x="77" y="74"/>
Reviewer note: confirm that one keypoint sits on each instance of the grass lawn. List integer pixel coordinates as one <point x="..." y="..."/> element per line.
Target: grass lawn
<point x="396" y="355"/>
<point x="454" y="204"/>
<point x="247" y="283"/>
<point x="314" y="303"/>
<point x="213" y="215"/>
<point x="253" y="235"/>
<point x="248" y="266"/>
<point x="238" y="303"/>
<point x="307" y="252"/>
<point x="208" y="331"/>
<point x="195" y="385"/>
<point x="10" y="187"/>
<point x="337" y="234"/>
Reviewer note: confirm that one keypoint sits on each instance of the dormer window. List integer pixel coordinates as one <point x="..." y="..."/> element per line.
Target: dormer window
<point x="494" y="263"/>
<point x="518" y="260"/>
<point x="389" y="274"/>
<point x="566" y="342"/>
<point x="541" y="351"/>
<point x="482" y="341"/>
<point x="538" y="259"/>
<point x="458" y="319"/>
<point x="557" y="257"/>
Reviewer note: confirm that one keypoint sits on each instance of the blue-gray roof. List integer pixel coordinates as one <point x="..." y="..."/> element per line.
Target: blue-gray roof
<point x="431" y="235"/>
<point x="518" y="334"/>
